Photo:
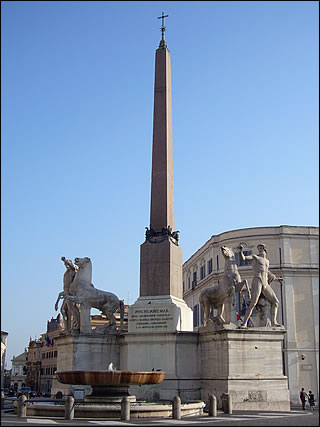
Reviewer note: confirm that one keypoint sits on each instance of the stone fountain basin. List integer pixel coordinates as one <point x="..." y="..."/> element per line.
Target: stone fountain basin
<point x="110" y="377"/>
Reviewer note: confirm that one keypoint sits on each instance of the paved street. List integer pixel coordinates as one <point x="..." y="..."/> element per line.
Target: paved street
<point x="295" y="417"/>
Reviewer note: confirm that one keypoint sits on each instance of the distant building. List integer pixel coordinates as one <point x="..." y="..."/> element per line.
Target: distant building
<point x="19" y="371"/>
<point x="101" y="320"/>
<point x="34" y="364"/>
<point x="4" y="336"/>
<point x="7" y="379"/>
<point x="49" y="354"/>
<point x="293" y="253"/>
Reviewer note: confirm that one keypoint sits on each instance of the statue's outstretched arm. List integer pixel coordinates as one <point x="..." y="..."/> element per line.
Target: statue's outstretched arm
<point x="68" y="263"/>
<point x="244" y="257"/>
<point x="272" y="277"/>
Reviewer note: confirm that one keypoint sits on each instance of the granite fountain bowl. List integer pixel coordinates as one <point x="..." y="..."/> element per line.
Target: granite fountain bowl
<point x="111" y="378"/>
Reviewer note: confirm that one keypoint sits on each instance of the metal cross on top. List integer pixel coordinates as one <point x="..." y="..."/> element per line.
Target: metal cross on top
<point x="163" y="29"/>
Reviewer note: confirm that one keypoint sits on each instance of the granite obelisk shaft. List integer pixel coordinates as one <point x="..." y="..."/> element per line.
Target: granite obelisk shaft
<point x="162" y="201"/>
<point x="160" y="255"/>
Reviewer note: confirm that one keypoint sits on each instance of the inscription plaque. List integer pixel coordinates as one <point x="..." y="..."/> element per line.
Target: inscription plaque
<point x="155" y="318"/>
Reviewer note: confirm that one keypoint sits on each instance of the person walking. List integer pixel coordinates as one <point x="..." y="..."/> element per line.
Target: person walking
<point x="311" y="400"/>
<point x="303" y="397"/>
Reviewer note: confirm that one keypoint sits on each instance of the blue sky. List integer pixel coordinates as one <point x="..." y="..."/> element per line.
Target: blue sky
<point x="77" y="111"/>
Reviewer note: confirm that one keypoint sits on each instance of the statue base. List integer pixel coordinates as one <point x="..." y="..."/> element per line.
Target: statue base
<point x="84" y="352"/>
<point x="247" y="364"/>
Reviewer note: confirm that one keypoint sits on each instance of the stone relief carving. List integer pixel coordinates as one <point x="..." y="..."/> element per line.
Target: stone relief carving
<point x="215" y="296"/>
<point x="260" y="285"/>
<point x="82" y="292"/>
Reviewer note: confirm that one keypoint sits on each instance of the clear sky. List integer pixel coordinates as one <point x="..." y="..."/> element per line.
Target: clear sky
<point x="77" y="111"/>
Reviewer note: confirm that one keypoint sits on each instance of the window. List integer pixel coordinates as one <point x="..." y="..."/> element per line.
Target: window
<point x="239" y="262"/>
<point x="194" y="280"/>
<point x="201" y="316"/>
<point x="217" y="262"/>
<point x="196" y="315"/>
<point x="189" y="282"/>
<point x="202" y="272"/>
<point x="210" y="266"/>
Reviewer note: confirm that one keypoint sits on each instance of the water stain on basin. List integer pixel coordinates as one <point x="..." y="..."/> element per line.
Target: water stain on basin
<point x="110" y="377"/>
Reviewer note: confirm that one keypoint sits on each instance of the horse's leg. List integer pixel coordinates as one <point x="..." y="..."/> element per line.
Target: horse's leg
<point x="112" y="320"/>
<point x="206" y="313"/>
<point x="219" y="316"/>
<point x="60" y="296"/>
<point x="74" y="316"/>
<point x="248" y="289"/>
<point x="108" y="309"/>
<point x="66" y="316"/>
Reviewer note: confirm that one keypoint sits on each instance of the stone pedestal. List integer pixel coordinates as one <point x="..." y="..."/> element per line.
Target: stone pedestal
<point x="85" y="352"/>
<point x="176" y="353"/>
<point x="247" y="364"/>
<point x="160" y="336"/>
<point x="160" y="267"/>
<point x="162" y="313"/>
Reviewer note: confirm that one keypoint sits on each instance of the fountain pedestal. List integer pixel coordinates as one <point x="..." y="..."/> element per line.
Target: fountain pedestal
<point x="109" y="394"/>
<point x="85" y="352"/>
<point x="109" y="386"/>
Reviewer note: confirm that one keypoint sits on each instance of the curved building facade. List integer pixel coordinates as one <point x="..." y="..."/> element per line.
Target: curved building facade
<point x="293" y="252"/>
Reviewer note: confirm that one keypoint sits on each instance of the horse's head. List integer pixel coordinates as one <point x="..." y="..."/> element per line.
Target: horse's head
<point x="81" y="262"/>
<point x="227" y="252"/>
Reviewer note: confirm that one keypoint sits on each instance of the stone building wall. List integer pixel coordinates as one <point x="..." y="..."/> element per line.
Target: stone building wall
<point x="293" y="252"/>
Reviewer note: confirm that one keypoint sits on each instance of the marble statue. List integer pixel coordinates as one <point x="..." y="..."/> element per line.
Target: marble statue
<point x="111" y="367"/>
<point x="69" y="309"/>
<point x="260" y="285"/>
<point x="263" y="311"/>
<point x="215" y="296"/>
<point x="84" y="293"/>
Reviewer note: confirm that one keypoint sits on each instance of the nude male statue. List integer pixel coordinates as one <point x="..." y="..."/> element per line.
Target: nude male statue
<point x="260" y="283"/>
<point x="68" y="309"/>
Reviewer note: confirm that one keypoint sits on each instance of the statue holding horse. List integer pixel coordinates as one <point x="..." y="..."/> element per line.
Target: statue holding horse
<point x="217" y="295"/>
<point x="69" y="310"/>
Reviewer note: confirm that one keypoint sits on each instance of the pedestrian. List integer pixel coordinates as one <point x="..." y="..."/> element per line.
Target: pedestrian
<point x="311" y="400"/>
<point x="303" y="396"/>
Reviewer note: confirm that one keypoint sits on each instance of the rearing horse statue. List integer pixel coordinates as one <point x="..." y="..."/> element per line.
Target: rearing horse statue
<point x="84" y="293"/>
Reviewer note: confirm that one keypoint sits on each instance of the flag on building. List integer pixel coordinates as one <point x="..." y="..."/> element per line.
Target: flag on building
<point x="47" y="340"/>
<point x="245" y="307"/>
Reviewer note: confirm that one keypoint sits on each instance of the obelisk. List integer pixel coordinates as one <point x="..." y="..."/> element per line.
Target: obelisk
<point x="162" y="201"/>
<point x="160" y="254"/>
<point x="160" y="324"/>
